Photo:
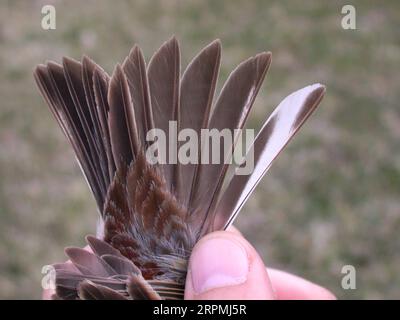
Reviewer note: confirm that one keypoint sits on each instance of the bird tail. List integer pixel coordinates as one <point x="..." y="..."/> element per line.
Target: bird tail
<point x="153" y="214"/>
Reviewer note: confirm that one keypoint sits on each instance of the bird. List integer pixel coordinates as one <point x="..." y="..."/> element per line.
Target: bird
<point x="152" y="214"/>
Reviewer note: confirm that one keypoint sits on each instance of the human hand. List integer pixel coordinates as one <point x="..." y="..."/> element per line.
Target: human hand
<point x="223" y="265"/>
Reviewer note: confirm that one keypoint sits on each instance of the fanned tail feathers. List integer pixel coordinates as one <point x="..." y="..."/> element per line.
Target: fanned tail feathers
<point x="153" y="214"/>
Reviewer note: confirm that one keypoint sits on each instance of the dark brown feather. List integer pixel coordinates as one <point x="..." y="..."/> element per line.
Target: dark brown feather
<point x="134" y="68"/>
<point x="100" y="247"/>
<point x="73" y="77"/>
<point x="88" y="290"/>
<point x="122" y="123"/>
<point x="92" y="264"/>
<point x="52" y="84"/>
<point x="231" y="111"/>
<point x="100" y="87"/>
<point x="197" y="92"/>
<point x="88" y="67"/>
<point x="163" y="74"/>
<point x="139" y="289"/>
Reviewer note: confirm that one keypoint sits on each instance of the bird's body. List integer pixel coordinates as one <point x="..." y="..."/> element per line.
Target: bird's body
<point x="153" y="214"/>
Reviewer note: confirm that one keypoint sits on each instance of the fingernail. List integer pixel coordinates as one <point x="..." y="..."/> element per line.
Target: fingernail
<point x="217" y="263"/>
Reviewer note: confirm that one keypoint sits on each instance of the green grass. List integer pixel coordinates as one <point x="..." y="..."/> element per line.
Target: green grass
<point x="332" y="198"/>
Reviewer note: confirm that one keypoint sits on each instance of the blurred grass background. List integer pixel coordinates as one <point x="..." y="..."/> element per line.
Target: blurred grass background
<point x="331" y="199"/>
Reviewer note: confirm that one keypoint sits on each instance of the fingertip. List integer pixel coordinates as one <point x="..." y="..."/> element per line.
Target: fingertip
<point x="291" y="287"/>
<point x="223" y="265"/>
<point x="235" y="230"/>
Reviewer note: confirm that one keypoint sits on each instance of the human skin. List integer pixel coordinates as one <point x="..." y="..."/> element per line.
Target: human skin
<point x="224" y="265"/>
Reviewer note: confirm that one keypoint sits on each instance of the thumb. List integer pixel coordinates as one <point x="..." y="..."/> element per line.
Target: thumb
<point x="223" y="265"/>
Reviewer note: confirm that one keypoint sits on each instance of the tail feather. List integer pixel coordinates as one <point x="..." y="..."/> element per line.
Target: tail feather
<point x="163" y="74"/>
<point x="152" y="215"/>
<point x="122" y="122"/>
<point x="134" y="68"/>
<point x="276" y="132"/>
<point x="100" y="87"/>
<point x="52" y="83"/>
<point x="231" y="111"/>
<point x="197" y="92"/>
<point x="88" y="68"/>
<point x="73" y="76"/>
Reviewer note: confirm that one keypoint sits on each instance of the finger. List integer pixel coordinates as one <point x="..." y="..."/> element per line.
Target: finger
<point x="223" y="265"/>
<point x="290" y="287"/>
<point x="233" y="229"/>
